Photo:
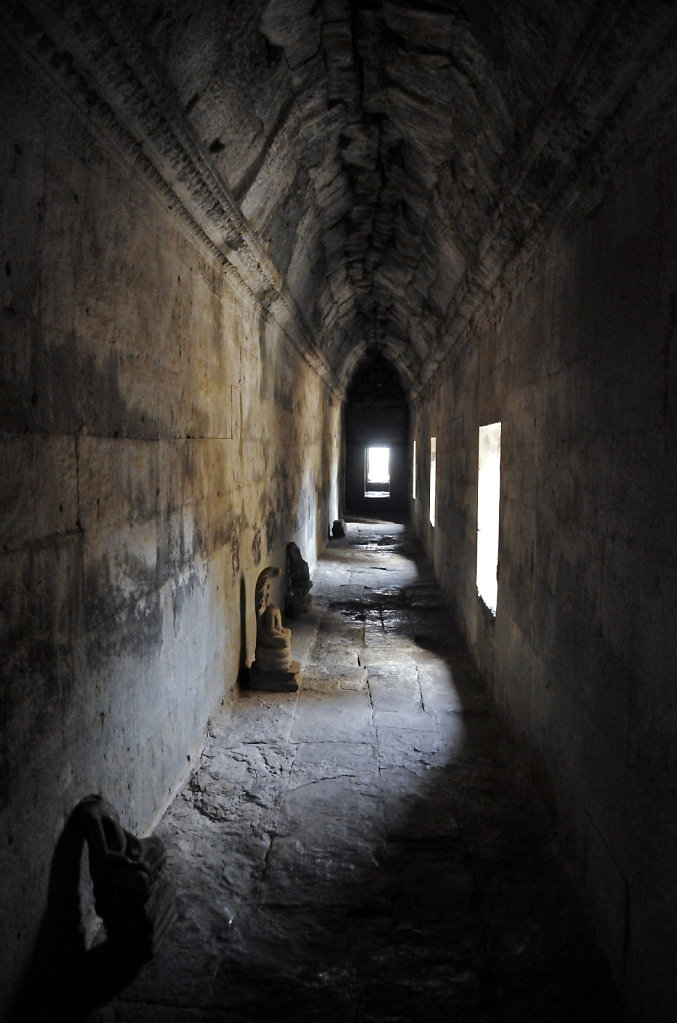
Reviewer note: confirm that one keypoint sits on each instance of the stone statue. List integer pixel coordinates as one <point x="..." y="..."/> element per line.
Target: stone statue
<point x="132" y="892"/>
<point x="273" y="641"/>
<point x="338" y="529"/>
<point x="298" y="593"/>
<point x="273" y="668"/>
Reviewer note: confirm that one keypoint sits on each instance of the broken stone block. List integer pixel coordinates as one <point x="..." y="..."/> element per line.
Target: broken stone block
<point x="133" y="894"/>
<point x="338" y="529"/>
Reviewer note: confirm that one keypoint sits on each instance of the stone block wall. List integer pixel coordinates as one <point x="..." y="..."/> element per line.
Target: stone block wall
<point x="161" y="441"/>
<point x="576" y="355"/>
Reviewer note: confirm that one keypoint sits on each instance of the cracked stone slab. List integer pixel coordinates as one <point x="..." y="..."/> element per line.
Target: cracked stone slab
<point x="325" y="874"/>
<point x="327" y="759"/>
<point x="335" y="807"/>
<point x="343" y="714"/>
<point x="322" y="679"/>
<point x="256" y="717"/>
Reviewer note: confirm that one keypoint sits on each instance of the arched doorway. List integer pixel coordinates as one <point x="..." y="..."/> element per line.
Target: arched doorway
<point x="376" y="432"/>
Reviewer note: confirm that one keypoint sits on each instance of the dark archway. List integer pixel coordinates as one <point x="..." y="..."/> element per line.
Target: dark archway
<point x="376" y="414"/>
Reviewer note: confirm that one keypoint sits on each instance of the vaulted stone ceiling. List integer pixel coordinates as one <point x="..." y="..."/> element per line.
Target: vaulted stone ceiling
<point x="369" y="168"/>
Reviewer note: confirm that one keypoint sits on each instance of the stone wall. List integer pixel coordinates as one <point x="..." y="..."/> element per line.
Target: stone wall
<point x="161" y="443"/>
<point x="576" y="355"/>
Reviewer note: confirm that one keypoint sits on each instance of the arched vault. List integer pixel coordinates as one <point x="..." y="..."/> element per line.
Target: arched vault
<point x="369" y="169"/>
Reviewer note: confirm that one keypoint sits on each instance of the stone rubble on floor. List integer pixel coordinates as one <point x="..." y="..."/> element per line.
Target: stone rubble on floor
<point x="364" y="849"/>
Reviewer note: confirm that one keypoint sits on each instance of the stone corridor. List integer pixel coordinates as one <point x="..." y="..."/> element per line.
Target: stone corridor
<point x="366" y="849"/>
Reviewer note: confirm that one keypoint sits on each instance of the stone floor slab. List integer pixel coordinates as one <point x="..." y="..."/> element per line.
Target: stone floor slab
<point x="367" y="849"/>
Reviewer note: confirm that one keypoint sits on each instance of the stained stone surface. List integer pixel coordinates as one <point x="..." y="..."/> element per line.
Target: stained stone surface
<point x="367" y="848"/>
<point x="211" y="211"/>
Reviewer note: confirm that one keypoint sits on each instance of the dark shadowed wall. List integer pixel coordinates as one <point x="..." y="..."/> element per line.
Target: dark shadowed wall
<point x="576" y="356"/>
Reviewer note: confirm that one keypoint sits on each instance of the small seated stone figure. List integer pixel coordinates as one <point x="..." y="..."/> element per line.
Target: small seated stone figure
<point x="298" y="594"/>
<point x="273" y="668"/>
<point x="132" y="893"/>
<point x="273" y="641"/>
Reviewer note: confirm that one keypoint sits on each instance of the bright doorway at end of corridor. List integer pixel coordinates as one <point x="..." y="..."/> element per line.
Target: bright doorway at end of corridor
<point x="377" y="472"/>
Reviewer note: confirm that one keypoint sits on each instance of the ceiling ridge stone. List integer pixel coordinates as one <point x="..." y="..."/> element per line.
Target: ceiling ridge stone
<point x="335" y="328"/>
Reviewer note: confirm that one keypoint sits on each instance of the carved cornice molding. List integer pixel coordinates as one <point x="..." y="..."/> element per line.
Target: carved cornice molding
<point x="89" y="50"/>
<point x="624" y="66"/>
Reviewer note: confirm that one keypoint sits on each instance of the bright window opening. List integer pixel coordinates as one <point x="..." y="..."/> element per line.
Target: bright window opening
<point x="488" y="499"/>
<point x="433" y="478"/>
<point x="413" y="474"/>
<point x="377" y="472"/>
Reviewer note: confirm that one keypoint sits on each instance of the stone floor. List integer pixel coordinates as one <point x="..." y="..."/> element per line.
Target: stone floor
<point x="364" y="850"/>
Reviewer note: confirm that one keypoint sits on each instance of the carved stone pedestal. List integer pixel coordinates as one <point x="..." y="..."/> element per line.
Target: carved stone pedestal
<point x="276" y="681"/>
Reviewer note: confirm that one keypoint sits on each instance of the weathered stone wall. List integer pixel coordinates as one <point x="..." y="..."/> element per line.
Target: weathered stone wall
<point x="161" y="443"/>
<point x="576" y="356"/>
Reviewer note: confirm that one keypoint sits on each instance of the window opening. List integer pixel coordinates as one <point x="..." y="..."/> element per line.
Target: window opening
<point x="413" y="474"/>
<point x="377" y="472"/>
<point x="488" y="501"/>
<point x="433" y="478"/>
